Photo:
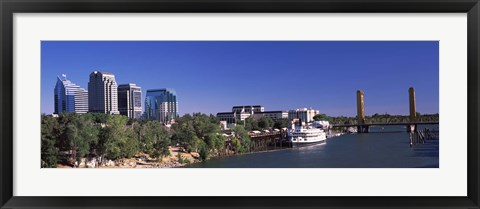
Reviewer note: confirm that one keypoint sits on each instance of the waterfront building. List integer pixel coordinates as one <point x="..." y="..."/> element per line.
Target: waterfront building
<point x="275" y="115"/>
<point x="103" y="96"/>
<point x="248" y="109"/>
<point x="228" y="117"/>
<point x="161" y="105"/>
<point x="240" y="113"/>
<point x="130" y="100"/>
<point x="304" y="114"/>
<point x="233" y="117"/>
<point x="69" y="97"/>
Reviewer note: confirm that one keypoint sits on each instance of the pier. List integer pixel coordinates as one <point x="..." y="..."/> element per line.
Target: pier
<point x="268" y="141"/>
<point x="420" y="137"/>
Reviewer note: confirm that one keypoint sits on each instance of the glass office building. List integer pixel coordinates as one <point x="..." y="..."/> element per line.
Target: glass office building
<point x="161" y="105"/>
<point x="130" y="100"/>
<point x="69" y="97"/>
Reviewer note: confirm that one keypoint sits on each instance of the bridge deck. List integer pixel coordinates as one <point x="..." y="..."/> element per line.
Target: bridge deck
<point x="388" y="124"/>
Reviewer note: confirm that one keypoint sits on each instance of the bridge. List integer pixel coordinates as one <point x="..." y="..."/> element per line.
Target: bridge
<point x="363" y="127"/>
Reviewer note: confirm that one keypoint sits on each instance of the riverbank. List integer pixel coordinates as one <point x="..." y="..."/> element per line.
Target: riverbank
<point x="177" y="158"/>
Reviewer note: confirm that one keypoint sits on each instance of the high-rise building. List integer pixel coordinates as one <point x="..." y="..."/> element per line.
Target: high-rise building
<point x="69" y="97"/>
<point x="130" y="100"/>
<point x="102" y="96"/>
<point x="161" y="104"/>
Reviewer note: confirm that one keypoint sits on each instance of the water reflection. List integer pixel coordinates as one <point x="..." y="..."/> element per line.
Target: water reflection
<point x="383" y="147"/>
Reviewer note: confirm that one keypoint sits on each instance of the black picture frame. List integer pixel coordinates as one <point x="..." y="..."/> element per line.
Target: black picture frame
<point x="9" y="7"/>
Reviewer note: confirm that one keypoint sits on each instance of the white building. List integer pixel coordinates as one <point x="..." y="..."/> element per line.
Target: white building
<point x="240" y="113"/>
<point x="102" y="96"/>
<point x="304" y="114"/>
<point x="69" y="97"/>
<point x="232" y="117"/>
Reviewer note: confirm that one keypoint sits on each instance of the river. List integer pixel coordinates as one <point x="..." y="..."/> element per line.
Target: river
<point x="383" y="147"/>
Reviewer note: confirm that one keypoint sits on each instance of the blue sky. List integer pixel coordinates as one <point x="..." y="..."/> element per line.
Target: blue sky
<point x="213" y="76"/>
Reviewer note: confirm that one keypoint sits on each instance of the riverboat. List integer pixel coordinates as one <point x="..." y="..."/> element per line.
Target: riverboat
<point x="305" y="135"/>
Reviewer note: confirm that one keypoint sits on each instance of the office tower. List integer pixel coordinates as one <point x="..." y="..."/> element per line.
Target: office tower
<point x="102" y="96"/>
<point x="130" y="100"/>
<point x="69" y="97"/>
<point x="161" y="104"/>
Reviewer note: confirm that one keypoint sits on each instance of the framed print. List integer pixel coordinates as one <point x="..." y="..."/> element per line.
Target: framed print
<point x="242" y="104"/>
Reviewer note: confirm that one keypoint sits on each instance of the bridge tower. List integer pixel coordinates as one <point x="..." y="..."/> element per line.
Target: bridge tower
<point x="361" y="128"/>
<point x="413" y="109"/>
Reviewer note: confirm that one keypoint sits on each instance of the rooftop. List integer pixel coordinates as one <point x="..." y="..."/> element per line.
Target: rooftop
<point x="247" y="106"/>
<point x="164" y="89"/>
<point x="128" y="85"/>
<point x="274" y="111"/>
<point x="103" y="73"/>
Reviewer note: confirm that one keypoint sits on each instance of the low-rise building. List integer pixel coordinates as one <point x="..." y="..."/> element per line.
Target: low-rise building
<point x="304" y="114"/>
<point x="271" y="114"/>
<point x="248" y="108"/>
<point x="240" y="113"/>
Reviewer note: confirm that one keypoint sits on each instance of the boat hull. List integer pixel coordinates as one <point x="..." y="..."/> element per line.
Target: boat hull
<point x="305" y="144"/>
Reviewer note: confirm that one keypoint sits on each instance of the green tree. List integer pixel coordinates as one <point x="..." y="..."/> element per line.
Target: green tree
<point x="281" y="123"/>
<point x="78" y="133"/>
<point x="322" y="117"/>
<point x="265" y="123"/>
<point x="184" y="133"/>
<point x="215" y="143"/>
<point x="251" y="124"/>
<point x="98" y="117"/>
<point x="192" y="131"/>
<point x="155" y="139"/>
<point x="118" y="140"/>
<point x="49" y="152"/>
<point x="242" y="136"/>
<point x="203" y="150"/>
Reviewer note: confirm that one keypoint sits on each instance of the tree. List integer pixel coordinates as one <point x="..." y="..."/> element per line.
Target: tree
<point x="214" y="119"/>
<point x="98" y="117"/>
<point x="251" y="124"/>
<point x="203" y="125"/>
<point x="155" y="139"/>
<point x="242" y="136"/>
<point x="203" y="150"/>
<point x="281" y="123"/>
<point x="117" y="139"/>
<point x="322" y="117"/>
<point x="77" y="134"/>
<point x="184" y="133"/>
<point x="49" y="152"/>
<point x="215" y="142"/>
<point x="265" y="123"/>
<point x="149" y="136"/>
<point x="192" y="131"/>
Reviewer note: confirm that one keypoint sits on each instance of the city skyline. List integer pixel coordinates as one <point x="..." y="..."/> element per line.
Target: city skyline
<point x="212" y="76"/>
